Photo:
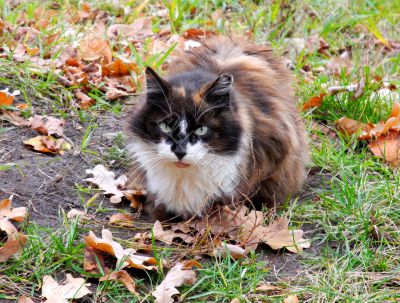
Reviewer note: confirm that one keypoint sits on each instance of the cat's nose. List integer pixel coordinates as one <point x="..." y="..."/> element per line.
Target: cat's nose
<point x="180" y="154"/>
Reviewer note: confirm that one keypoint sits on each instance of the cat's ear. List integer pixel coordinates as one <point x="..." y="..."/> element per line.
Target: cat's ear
<point x="155" y="84"/>
<point x="219" y="91"/>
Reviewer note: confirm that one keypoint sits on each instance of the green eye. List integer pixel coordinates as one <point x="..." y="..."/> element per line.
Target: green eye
<point x="164" y="127"/>
<point x="201" y="131"/>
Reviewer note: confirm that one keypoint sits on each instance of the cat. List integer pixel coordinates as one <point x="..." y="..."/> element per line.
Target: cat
<point x="221" y="128"/>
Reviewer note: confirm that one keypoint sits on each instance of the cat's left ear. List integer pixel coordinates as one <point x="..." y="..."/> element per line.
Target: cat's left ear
<point x="155" y="84"/>
<point x="219" y="91"/>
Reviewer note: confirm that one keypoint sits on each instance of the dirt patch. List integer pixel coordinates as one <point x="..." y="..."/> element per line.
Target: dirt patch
<point x="46" y="183"/>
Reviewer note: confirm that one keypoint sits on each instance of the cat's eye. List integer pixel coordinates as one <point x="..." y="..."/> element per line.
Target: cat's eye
<point x="164" y="127"/>
<point x="201" y="131"/>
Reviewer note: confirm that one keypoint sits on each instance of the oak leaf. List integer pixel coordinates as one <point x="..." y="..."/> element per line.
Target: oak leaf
<point x="72" y="288"/>
<point x="48" y="144"/>
<point x="48" y="125"/>
<point x="122" y="220"/>
<point x="125" y="257"/>
<point x="349" y="127"/>
<point x="7" y="98"/>
<point x="179" y="275"/>
<point x="122" y="276"/>
<point x="15" y="240"/>
<point x="93" y="47"/>
<point x="140" y="28"/>
<point x="315" y="101"/>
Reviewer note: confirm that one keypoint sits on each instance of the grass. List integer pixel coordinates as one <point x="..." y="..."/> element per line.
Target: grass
<point x="353" y="214"/>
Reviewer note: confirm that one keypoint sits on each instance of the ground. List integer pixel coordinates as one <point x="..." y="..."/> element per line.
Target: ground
<point x="349" y="207"/>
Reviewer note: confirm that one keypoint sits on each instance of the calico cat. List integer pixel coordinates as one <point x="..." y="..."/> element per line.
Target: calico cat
<point x="222" y="127"/>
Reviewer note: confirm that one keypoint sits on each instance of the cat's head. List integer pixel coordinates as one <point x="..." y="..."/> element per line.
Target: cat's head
<point x="187" y="117"/>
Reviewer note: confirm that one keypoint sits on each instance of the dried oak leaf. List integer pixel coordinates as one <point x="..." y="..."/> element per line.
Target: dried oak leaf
<point x="349" y="127"/>
<point x="48" y="144"/>
<point x="140" y="28"/>
<point x="91" y="261"/>
<point x="235" y="251"/>
<point x="85" y="102"/>
<point x="122" y="276"/>
<point x="72" y="288"/>
<point x="315" y="101"/>
<point x="7" y="98"/>
<point x="106" y="181"/>
<point x="113" y="93"/>
<point x="49" y="126"/>
<point x="179" y="275"/>
<point x="122" y="220"/>
<point x="93" y="47"/>
<point x="387" y="147"/>
<point x="17" y="214"/>
<point x="15" y="240"/>
<point x="125" y="257"/>
<point x="24" y="299"/>
<point x="14" y="118"/>
<point x="76" y="213"/>
<point x="119" y="68"/>
<point x="167" y="236"/>
<point x="291" y="299"/>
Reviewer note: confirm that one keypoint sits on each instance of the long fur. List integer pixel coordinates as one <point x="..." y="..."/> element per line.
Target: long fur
<point x="269" y="164"/>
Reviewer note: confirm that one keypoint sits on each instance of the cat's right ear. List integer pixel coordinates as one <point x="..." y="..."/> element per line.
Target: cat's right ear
<point x="156" y="85"/>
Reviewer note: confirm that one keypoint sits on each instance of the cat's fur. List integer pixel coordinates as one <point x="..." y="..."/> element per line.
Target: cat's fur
<point x="255" y="148"/>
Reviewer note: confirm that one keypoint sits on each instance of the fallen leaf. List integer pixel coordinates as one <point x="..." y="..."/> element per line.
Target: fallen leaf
<point x="7" y="98"/>
<point x="113" y="93"/>
<point x="122" y="220"/>
<point x="177" y="276"/>
<point x="106" y="181"/>
<point x="125" y="257"/>
<point x="140" y="28"/>
<point x="93" y="47"/>
<point x="235" y="251"/>
<point x="267" y="288"/>
<point x="76" y="213"/>
<point x="49" y="126"/>
<point x="91" y="261"/>
<point x="123" y="277"/>
<point x="15" y="240"/>
<point x="119" y="68"/>
<point x="315" y="101"/>
<point x="387" y="147"/>
<point x="85" y="101"/>
<point x="17" y="214"/>
<point x="350" y="127"/>
<point x="24" y="299"/>
<point x="48" y="144"/>
<point x="395" y="110"/>
<point x="72" y="288"/>
<point x="15" y="118"/>
<point x="167" y="236"/>
<point x="291" y="299"/>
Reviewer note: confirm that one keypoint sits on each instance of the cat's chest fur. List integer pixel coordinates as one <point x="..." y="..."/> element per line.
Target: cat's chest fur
<point x="189" y="190"/>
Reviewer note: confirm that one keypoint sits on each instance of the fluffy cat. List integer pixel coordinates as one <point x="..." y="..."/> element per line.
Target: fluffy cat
<point x="222" y="127"/>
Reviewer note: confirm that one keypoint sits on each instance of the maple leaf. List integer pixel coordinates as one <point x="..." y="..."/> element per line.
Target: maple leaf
<point x="72" y="288"/>
<point x="178" y="275"/>
<point x="125" y="257"/>
<point x="122" y="276"/>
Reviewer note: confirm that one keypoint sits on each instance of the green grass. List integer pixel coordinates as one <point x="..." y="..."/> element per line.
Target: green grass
<point x="354" y="211"/>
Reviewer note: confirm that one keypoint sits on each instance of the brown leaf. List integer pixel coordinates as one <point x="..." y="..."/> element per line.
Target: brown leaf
<point x="315" y="101"/>
<point x="119" y="68"/>
<point x="177" y="276"/>
<point x="91" y="260"/>
<point x="387" y="147"/>
<point x="15" y="240"/>
<point x="141" y="27"/>
<point x="125" y="257"/>
<point x="106" y="181"/>
<point x="85" y="101"/>
<point x="235" y="251"/>
<point x="167" y="236"/>
<point x="48" y="125"/>
<point x="15" y="118"/>
<point x="113" y="93"/>
<point x="123" y="277"/>
<point x="75" y="213"/>
<point x="24" y="299"/>
<point x="291" y="299"/>
<point x="17" y="214"/>
<point x="122" y="220"/>
<point x="72" y="288"/>
<point x="48" y="144"/>
<point x="93" y="47"/>
<point x="395" y="110"/>
<point x="350" y="127"/>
